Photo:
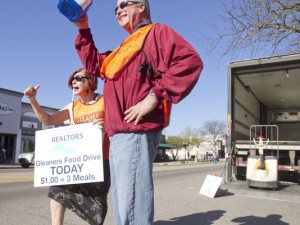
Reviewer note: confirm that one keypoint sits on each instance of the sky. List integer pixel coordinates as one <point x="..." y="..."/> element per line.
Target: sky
<point x="37" y="47"/>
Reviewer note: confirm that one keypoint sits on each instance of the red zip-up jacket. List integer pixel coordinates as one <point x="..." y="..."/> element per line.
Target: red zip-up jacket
<point x="176" y="65"/>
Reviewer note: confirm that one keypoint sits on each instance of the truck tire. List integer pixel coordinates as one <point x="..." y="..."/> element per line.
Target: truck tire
<point x="240" y="177"/>
<point x="298" y="173"/>
<point x="25" y="165"/>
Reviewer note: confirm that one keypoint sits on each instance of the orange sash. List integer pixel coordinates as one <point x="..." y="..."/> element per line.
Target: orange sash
<point x="122" y="55"/>
<point x="167" y="107"/>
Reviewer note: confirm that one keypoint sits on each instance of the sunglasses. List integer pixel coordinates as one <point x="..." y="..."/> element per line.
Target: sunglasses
<point x="124" y="4"/>
<point x="79" y="78"/>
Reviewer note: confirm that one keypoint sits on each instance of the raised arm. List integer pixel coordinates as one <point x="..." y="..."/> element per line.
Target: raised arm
<point x="44" y="117"/>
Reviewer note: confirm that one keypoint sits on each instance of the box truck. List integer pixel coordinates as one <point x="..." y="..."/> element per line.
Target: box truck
<point x="264" y="105"/>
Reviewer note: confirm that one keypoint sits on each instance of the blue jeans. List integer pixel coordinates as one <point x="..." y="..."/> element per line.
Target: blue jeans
<point x="131" y="162"/>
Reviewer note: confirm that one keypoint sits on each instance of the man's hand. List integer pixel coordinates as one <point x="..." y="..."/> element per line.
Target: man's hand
<point x="83" y="22"/>
<point x="141" y="109"/>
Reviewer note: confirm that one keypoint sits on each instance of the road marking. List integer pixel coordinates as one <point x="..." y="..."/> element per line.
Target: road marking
<point x="15" y="179"/>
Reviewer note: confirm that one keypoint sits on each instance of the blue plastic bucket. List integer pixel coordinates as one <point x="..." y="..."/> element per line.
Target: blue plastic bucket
<point x="73" y="9"/>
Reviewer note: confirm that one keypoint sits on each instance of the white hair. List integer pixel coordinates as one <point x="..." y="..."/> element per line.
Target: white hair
<point x="147" y="6"/>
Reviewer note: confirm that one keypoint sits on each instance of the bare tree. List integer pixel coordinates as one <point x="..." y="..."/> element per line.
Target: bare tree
<point x="179" y="142"/>
<point x="213" y="131"/>
<point x="176" y="143"/>
<point x="254" y="24"/>
<point x="191" y="137"/>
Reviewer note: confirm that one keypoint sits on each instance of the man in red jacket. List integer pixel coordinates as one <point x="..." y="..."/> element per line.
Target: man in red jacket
<point x="152" y="67"/>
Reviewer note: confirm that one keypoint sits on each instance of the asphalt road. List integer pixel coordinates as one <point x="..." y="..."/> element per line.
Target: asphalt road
<point x="177" y="199"/>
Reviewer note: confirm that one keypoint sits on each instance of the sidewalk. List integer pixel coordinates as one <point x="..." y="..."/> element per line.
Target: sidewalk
<point x="188" y="162"/>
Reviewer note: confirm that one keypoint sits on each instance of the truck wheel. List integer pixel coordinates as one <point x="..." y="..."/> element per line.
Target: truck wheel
<point x="25" y="165"/>
<point x="240" y="177"/>
<point x="298" y="173"/>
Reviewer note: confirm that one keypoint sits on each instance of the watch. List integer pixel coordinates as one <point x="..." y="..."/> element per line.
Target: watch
<point x="151" y="93"/>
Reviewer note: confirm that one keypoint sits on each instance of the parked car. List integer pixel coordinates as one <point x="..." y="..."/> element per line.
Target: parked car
<point x="208" y="157"/>
<point x="26" y="159"/>
<point x="161" y="158"/>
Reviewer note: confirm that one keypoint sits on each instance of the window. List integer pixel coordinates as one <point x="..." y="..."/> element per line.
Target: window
<point x="27" y="143"/>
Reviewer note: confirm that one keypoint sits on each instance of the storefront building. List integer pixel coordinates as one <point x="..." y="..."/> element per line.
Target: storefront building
<point x="18" y="124"/>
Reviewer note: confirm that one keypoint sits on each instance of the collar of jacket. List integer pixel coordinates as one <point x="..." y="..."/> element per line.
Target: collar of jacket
<point x="144" y="23"/>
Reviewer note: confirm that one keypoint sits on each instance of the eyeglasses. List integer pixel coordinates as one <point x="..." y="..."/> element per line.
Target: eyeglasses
<point x="124" y="4"/>
<point x="79" y="78"/>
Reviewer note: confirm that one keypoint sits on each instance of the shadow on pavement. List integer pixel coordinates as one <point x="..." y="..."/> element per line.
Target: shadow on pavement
<point x="194" y="219"/>
<point x="223" y="192"/>
<point x="209" y="218"/>
<point x="273" y="219"/>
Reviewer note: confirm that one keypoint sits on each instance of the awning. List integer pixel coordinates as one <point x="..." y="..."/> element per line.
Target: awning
<point x="164" y="146"/>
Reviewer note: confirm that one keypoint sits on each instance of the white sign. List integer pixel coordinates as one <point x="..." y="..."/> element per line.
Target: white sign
<point x="68" y="155"/>
<point x="47" y="127"/>
<point x="210" y="186"/>
<point x="29" y="124"/>
<point x="6" y="109"/>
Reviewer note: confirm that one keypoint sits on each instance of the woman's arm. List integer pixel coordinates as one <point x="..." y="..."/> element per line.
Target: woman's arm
<point x="44" y="117"/>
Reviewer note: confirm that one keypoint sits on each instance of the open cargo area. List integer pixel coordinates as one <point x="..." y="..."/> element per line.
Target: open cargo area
<point x="265" y="94"/>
